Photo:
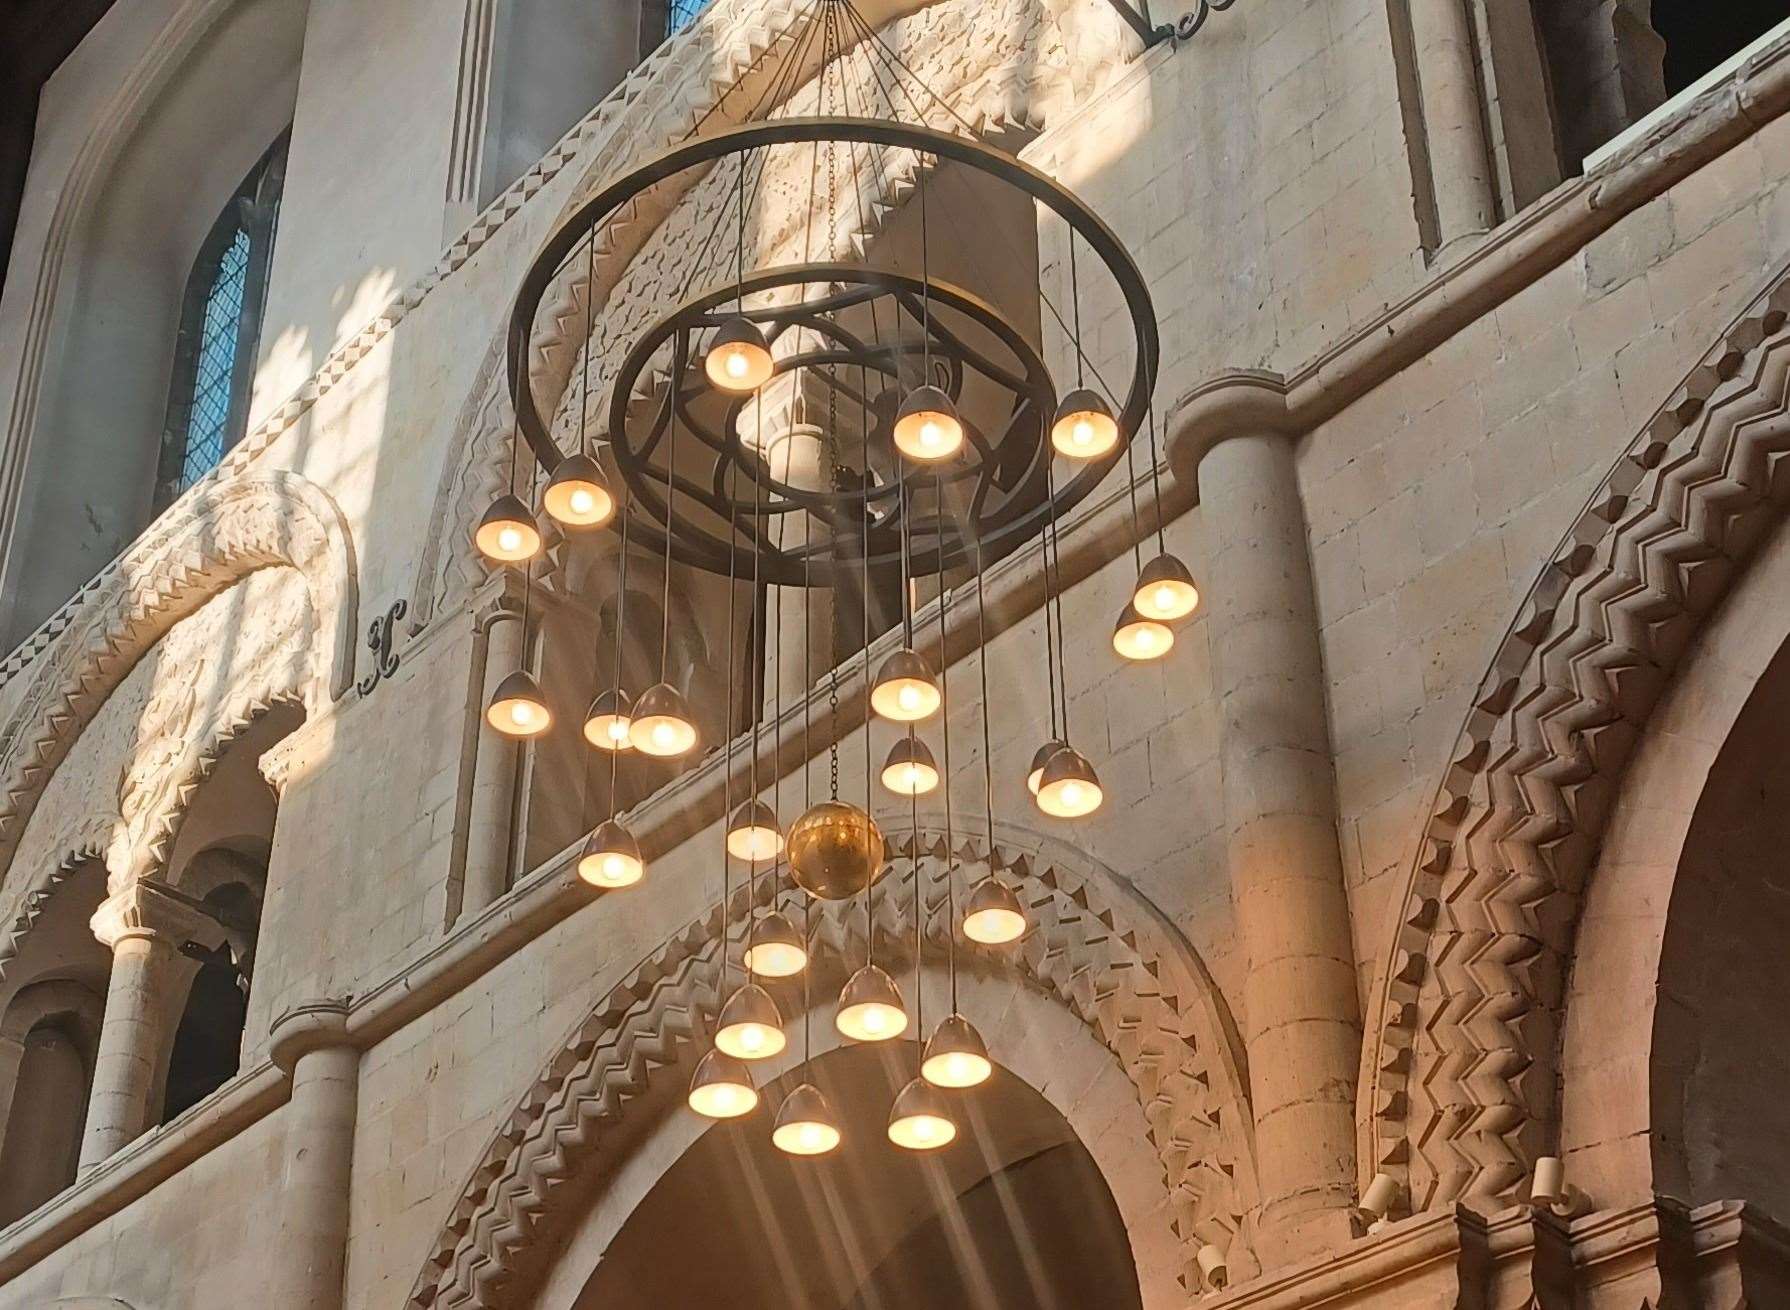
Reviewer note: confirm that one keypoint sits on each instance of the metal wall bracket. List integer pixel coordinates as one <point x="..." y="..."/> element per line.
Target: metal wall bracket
<point x="1184" y="28"/>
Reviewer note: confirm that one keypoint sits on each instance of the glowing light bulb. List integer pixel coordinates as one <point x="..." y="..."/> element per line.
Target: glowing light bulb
<point x="930" y="435"/>
<point x="908" y="698"/>
<point x="752" y="1037"/>
<point x="813" y="1137"/>
<point x="1082" y="434"/>
<point x="736" y="365"/>
<point x="522" y="714"/>
<point x="617" y="730"/>
<point x="1165" y="598"/>
<point x="664" y="735"/>
<point x="582" y="501"/>
<point x="1072" y="796"/>
<point x="510" y="539"/>
<point x="874" y="1022"/>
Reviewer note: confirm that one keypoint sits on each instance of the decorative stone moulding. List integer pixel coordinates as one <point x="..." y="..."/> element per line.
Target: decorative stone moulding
<point x="1140" y="991"/>
<point x="1459" y="1076"/>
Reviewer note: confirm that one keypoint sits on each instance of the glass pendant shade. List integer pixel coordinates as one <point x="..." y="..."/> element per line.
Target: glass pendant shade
<point x="776" y="949"/>
<point x="1165" y="590"/>
<point x="577" y="495"/>
<point x="910" y="769"/>
<point x="805" y="1123"/>
<point x="870" y="1008"/>
<point x="753" y="834"/>
<point x="1084" y="427"/>
<point x="927" y="428"/>
<point x="920" y="1120"/>
<point x="662" y="724"/>
<point x="956" y="1056"/>
<point x="1069" y="788"/>
<point x="517" y="708"/>
<point x="1138" y="638"/>
<point x="607" y="721"/>
<point x="905" y="690"/>
<point x="739" y="358"/>
<point x="1041" y="757"/>
<point x="507" y="534"/>
<point x="722" y="1087"/>
<point x="750" y="1028"/>
<point x="992" y="915"/>
<point x="611" y="857"/>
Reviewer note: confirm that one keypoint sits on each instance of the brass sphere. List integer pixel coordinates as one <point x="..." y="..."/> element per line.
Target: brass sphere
<point x="835" y="851"/>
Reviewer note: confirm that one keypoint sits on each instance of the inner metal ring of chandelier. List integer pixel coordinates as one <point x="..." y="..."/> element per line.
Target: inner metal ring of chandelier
<point x="1006" y="496"/>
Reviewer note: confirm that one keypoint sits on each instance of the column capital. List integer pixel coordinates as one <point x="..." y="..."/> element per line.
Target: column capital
<point x="144" y="910"/>
<point x="306" y="1027"/>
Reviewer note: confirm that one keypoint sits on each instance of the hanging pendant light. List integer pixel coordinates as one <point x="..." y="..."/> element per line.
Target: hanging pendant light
<point x="927" y="428"/>
<point x="956" y="1056"/>
<point x="753" y="834"/>
<point x="870" y="1008"/>
<point x="993" y="916"/>
<point x="776" y="949"/>
<point x="517" y="708"/>
<point x="910" y="769"/>
<point x="805" y="1123"/>
<point x="920" y="1119"/>
<point x="1165" y="590"/>
<point x="1040" y="757"/>
<point x="750" y="1028"/>
<point x="1138" y="638"/>
<point x="722" y="1087"/>
<point x="1084" y="427"/>
<point x="905" y="690"/>
<point x="739" y="358"/>
<point x="507" y="533"/>
<point x="611" y="857"/>
<point x="578" y="495"/>
<point x="662" y="724"/>
<point x="607" y="721"/>
<point x="1069" y="788"/>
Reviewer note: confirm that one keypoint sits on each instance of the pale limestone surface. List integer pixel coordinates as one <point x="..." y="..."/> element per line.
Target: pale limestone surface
<point x="1263" y="176"/>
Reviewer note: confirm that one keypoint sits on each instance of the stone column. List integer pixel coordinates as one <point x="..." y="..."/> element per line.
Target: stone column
<point x="145" y="930"/>
<point x="1302" y="1022"/>
<point x="1460" y="164"/>
<point x="306" y="1260"/>
<point x="491" y="807"/>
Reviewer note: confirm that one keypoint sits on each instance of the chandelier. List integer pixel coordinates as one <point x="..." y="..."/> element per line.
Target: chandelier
<point x="939" y="442"/>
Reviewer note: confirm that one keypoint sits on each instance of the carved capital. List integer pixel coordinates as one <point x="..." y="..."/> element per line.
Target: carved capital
<point x="144" y="911"/>
<point x="311" y="1026"/>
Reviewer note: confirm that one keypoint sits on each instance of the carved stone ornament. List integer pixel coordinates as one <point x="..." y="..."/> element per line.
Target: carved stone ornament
<point x="1093" y="948"/>
<point x="1460" y="1075"/>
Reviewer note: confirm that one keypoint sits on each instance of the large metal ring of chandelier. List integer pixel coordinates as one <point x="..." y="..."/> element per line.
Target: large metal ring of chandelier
<point x="1008" y="488"/>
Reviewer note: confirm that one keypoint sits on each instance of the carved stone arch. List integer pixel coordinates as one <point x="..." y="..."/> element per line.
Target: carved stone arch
<point x="1095" y="948"/>
<point x="209" y="541"/>
<point x="1004" y="69"/>
<point x="155" y="832"/>
<point x="1459" y="1075"/>
<point x="54" y="998"/>
<point x="37" y="900"/>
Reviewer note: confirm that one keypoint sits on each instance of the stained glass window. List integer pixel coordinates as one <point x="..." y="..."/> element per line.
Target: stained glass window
<point x="219" y="328"/>
<point x="679" y="14"/>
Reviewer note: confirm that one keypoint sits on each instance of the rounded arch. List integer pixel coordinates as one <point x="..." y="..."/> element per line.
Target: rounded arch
<point x="1637" y="994"/>
<point x="197" y="109"/>
<point x="211" y="540"/>
<point x="802" y="1235"/>
<point x="1096" y="950"/>
<point x="1459" y="1077"/>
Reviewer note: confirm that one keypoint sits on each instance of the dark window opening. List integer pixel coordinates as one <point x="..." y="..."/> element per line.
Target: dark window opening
<point x="207" y="1049"/>
<point x="220" y="330"/>
<point x="1700" y="36"/>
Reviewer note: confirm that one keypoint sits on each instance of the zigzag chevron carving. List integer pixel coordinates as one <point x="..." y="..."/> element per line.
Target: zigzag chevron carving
<point x="1461" y="1076"/>
<point x="1086" y="951"/>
